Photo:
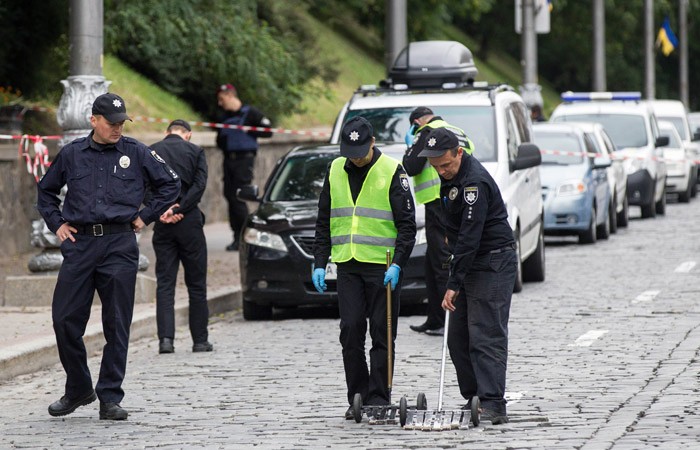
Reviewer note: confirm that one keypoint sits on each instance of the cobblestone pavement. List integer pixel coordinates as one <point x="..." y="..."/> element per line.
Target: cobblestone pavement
<point x="604" y="354"/>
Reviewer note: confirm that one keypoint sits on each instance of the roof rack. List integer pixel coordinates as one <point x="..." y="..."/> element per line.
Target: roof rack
<point x="387" y="87"/>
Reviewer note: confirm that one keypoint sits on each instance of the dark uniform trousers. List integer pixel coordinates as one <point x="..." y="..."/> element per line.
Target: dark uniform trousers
<point x="238" y="172"/>
<point x="183" y="241"/>
<point x="109" y="265"/>
<point x="437" y="254"/>
<point x="481" y="321"/>
<point x="362" y="295"/>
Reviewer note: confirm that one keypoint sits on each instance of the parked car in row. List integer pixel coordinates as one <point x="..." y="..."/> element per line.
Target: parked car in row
<point x="276" y="251"/>
<point x="632" y="125"/>
<point x="679" y="162"/>
<point x="577" y="195"/>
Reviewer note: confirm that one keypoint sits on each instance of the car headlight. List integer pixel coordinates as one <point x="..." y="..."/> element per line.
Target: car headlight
<point x="265" y="239"/>
<point x="576" y="187"/>
<point x="421" y="237"/>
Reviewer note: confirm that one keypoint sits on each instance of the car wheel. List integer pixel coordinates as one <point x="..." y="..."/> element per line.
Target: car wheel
<point x="518" y="286"/>
<point x="612" y="215"/>
<point x="589" y="236"/>
<point x="684" y="197"/>
<point x="648" y="211"/>
<point x="694" y="183"/>
<point x="661" y="204"/>
<point x="253" y="311"/>
<point x="623" y="217"/>
<point x="533" y="267"/>
<point x="603" y="230"/>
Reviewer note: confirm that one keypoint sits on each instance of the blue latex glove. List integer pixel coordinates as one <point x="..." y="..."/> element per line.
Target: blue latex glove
<point x="392" y="274"/>
<point x="410" y="134"/>
<point x="319" y="279"/>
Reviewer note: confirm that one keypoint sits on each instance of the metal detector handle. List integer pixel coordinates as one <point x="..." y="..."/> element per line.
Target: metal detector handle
<point x="444" y="358"/>
<point x="389" y="333"/>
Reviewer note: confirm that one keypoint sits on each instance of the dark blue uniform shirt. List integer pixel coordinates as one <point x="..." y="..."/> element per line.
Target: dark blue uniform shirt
<point x="476" y="218"/>
<point x="106" y="184"/>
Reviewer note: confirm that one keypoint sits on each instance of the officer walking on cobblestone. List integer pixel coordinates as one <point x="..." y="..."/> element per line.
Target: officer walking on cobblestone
<point x="179" y="237"/>
<point x="107" y="175"/>
<point x="426" y="183"/>
<point x="365" y="208"/>
<point x="482" y="273"/>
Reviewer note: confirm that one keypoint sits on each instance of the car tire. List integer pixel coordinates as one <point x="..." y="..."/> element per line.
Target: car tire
<point x="603" y="230"/>
<point x="694" y="183"/>
<point x="684" y="197"/>
<point x="253" y="311"/>
<point x="590" y="235"/>
<point x="533" y="267"/>
<point x="660" y="206"/>
<point x="518" y="286"/>
<point x="623" y="217"/>
<point x="612" y="215"/>
<point x="649" y="211"/>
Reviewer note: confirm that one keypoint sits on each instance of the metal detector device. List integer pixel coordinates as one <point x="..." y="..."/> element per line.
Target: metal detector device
<point x="387" y="414"/>
<point x="439" y="419"/>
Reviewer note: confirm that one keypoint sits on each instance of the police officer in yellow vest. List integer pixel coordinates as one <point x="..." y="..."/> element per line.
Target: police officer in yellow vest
<point x="365" y="209"/>
<point x="426" y="184"/>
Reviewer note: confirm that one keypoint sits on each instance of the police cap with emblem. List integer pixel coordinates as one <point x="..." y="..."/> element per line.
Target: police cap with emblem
<point x="438" y="142"/>
<point x="111" y="107"/>
<point x="356" y="138"/>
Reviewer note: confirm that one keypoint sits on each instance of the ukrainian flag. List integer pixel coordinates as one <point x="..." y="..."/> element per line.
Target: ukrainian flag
<point x="666" y="39"/>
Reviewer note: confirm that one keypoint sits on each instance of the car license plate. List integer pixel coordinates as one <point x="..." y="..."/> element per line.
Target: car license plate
<point x="331" y="271"/>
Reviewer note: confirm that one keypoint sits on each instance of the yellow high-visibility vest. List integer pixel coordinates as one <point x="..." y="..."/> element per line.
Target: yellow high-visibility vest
<point x="365" y="229"/>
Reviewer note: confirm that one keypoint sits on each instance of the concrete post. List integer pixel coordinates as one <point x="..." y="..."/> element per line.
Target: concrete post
<point x="649" y="73"/>
<point x="530" y="89"/>
<point x="395" y="35"/>
<point x="683" y="38"/>
<point x="599" y="75"/>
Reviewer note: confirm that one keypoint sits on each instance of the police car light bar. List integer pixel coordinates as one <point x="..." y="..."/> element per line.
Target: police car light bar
<point x="592" y="96"/>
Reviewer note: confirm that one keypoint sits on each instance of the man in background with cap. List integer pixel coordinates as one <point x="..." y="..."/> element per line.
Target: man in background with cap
<point x="426" y="183"/>
<point x="365" y="209"/>
<point x="240" y="148"/>
<point x="107" y="176"/>
<point x="179" y="237"/>
<point x="482" y="273"/>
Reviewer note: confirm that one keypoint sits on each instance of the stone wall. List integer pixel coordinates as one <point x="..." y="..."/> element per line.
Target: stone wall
<point x="18" y="188"/>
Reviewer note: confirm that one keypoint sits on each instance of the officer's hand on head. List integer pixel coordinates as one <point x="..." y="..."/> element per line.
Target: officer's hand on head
<point x="410" y="134"/>
<point x="392" y="274"/>
<point x="319" y="279"/>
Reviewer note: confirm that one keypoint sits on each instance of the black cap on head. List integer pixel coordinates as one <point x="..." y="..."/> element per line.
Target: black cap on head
<point x="180" y="123"/>
<point x="418" y="113"/>
<point x="356" y="138"/>
<point x="111" y="106"/>
<point x="438" y="142"/>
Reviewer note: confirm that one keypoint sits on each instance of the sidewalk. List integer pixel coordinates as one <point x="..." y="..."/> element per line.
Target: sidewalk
<point x="27" y="340"/>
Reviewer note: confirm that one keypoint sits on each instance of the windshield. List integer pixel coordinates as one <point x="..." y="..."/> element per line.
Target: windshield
<point x="559" y="148"/>
<point x="625" y="130"/>
<point x="301" y="178"/>
<point x="678" y="124"/>
<point x="391" y="124"/>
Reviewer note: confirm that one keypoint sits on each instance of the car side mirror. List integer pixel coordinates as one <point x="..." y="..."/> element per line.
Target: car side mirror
<point x="696" y="135"/>
<point x="601" y="162"/>
<point x="662" y="141"/>
<point x="249" y="193"/>
<point x="528" y="156"/>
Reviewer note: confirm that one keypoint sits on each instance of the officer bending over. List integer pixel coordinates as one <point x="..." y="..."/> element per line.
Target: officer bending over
<point x="364" y="209"/>
<point x="482" y="273"/>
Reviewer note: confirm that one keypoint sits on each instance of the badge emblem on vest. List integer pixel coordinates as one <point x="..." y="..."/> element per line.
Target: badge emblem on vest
<point x="157" y="157"/>
<point x="471" y="194"/>
<point x="124" y="161"/>
<point x="404" y="181"/>
<point x="453" y="193"/>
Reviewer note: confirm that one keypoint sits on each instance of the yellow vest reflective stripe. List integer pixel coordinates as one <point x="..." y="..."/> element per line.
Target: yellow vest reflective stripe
<point x="363" y="230"/>
<point x="426" y="184"/>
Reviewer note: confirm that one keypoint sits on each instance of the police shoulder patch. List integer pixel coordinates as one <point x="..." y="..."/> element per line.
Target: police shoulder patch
<point x="403" y="179"/>
<point x="157" y="157"/>
<point x="471" y="194"/>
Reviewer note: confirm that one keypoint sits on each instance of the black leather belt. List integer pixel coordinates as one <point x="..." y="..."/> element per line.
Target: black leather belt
<point x="241" y="154"/>
<point x="504" y="249"/>
<point x="101" y="229"/>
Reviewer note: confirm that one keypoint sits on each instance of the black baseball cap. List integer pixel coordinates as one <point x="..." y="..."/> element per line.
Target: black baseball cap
<point x="418" y="113"/>
<point x="356" y="137"/>
<point x="180" y="123"/>
<point x="438" y="142"/>
<point x="111" y="106"/>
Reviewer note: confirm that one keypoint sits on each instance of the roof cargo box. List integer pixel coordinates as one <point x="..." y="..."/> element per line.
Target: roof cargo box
<point x="427" y="64"/>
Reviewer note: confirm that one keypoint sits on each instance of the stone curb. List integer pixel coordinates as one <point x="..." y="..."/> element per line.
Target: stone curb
<point x="41" y="353"/>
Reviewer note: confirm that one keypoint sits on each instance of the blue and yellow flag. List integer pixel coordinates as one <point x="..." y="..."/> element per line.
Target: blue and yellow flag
<point x="666" y="39"/>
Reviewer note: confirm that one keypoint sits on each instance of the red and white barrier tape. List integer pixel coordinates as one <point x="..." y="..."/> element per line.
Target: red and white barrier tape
<point x="40" y="160"/>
